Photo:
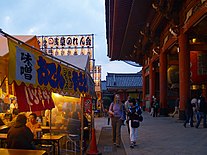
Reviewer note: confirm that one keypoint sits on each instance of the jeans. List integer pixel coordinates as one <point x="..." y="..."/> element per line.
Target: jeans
<point x="199" y="116"/>
<point x="133" y="133"/>
<point x="189" y="119"/>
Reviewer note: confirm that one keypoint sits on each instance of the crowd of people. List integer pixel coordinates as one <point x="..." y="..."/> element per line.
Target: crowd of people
<point x="196" y="107"/>
<point x="24" y="127"/>
<point x="195" y="111"/>
<point x="129" y="113"/>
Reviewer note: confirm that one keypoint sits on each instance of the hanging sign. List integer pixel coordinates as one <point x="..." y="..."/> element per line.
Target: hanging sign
<point x="30" y="98"/>
<point x="87" y="105"/>
<point x="67" y="44"/>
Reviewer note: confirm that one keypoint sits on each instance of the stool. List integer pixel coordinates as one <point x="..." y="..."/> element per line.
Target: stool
<point x="72" y="143"/>
<point x="47" y="148"/>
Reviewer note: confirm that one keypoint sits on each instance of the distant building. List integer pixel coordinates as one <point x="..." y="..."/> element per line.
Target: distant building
<point x="129" y="84"/>
<point x="97" y="81"/>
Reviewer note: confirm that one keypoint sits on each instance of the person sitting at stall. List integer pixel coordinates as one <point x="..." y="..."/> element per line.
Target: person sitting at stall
<point x="33" y="125"/>
<point x="1" y="121"/>
<point x="20" y="136"/>
<point x="57" y="117"/>
<point x="74" y="124"/>
<point x="13" y="105"/>
<point x="13" y="119"/>
<point x="3" y="106"/>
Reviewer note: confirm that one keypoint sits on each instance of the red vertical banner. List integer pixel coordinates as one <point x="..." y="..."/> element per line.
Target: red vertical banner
<point x="87" y="105"/>
<point x="33" y="99"/>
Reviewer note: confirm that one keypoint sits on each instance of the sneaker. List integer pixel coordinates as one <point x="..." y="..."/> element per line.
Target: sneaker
<point x="134" y="143"/>
<point x="132" y="146"/>
<point x="114" y="143"/>
<point x="117" y="145"/>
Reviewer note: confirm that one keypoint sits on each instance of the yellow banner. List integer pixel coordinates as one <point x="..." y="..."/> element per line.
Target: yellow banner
<point x="32" y="67"/>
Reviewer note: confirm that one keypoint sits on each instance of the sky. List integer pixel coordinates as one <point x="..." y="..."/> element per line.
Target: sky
<point x="62" y="17"/>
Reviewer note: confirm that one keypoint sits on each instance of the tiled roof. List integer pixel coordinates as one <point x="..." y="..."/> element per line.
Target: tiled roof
<point x="129" y="80"/>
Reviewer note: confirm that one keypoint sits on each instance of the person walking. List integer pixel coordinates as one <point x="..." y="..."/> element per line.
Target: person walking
<point x="134" y="114"/>
<point x="156" y="107"/>
<point x="117" y="116"/>
<point x="189" y="114"/>
<point x="177" y="102"/>
<point x="201" y="111"/>
<point x="152" y="107"/>
<point x="127" y="106"/>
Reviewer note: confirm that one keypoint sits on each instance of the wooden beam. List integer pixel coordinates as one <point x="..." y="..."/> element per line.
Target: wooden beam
<point x="198" y="47"/>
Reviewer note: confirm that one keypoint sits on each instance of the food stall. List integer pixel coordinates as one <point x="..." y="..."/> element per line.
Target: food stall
<point x="46" y="85"/>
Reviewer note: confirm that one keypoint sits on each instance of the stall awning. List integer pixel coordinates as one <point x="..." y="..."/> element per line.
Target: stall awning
<point x="36" y="75"/>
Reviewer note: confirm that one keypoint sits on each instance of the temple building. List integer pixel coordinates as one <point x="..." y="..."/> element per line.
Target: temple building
<point x="169" y="39"/>
<point x="124" y="84"/>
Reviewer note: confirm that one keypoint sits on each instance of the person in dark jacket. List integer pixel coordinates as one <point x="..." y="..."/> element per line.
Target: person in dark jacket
<point x="19" y="135"/>
<point x="189" y="114"/>
<point x="133" y="114"/>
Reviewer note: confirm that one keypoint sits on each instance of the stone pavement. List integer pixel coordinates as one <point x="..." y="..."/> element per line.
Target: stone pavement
<point x="156" y="136"/>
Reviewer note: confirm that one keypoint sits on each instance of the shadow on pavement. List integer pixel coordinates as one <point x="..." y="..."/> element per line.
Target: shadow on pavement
<point x="105" y="145"/>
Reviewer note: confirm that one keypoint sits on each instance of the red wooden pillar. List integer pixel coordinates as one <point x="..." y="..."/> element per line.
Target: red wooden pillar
<point x="163" y="84"/>
<point x="143" y="87"/>
<point x="151" y="81"/>
<point x="184" y="73"/>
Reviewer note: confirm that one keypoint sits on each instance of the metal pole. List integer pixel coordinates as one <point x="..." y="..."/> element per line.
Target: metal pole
<point x="82" y="125"/>
<point x="50" y="121"/>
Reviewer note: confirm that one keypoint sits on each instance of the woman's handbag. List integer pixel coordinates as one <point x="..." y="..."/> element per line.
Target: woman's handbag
<point x="134" y="123"/>
<point x="140" y="118"/>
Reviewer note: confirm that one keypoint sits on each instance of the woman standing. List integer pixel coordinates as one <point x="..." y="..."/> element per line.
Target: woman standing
<point x="134" y="115"/>
<point x="117" y="116"/>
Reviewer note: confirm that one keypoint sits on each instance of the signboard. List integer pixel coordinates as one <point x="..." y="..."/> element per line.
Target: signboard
<point x="87" y="105"/>
<point x="66" y="45"/>
<point x="30" y="66"/>
<point x="94" y="104"/>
